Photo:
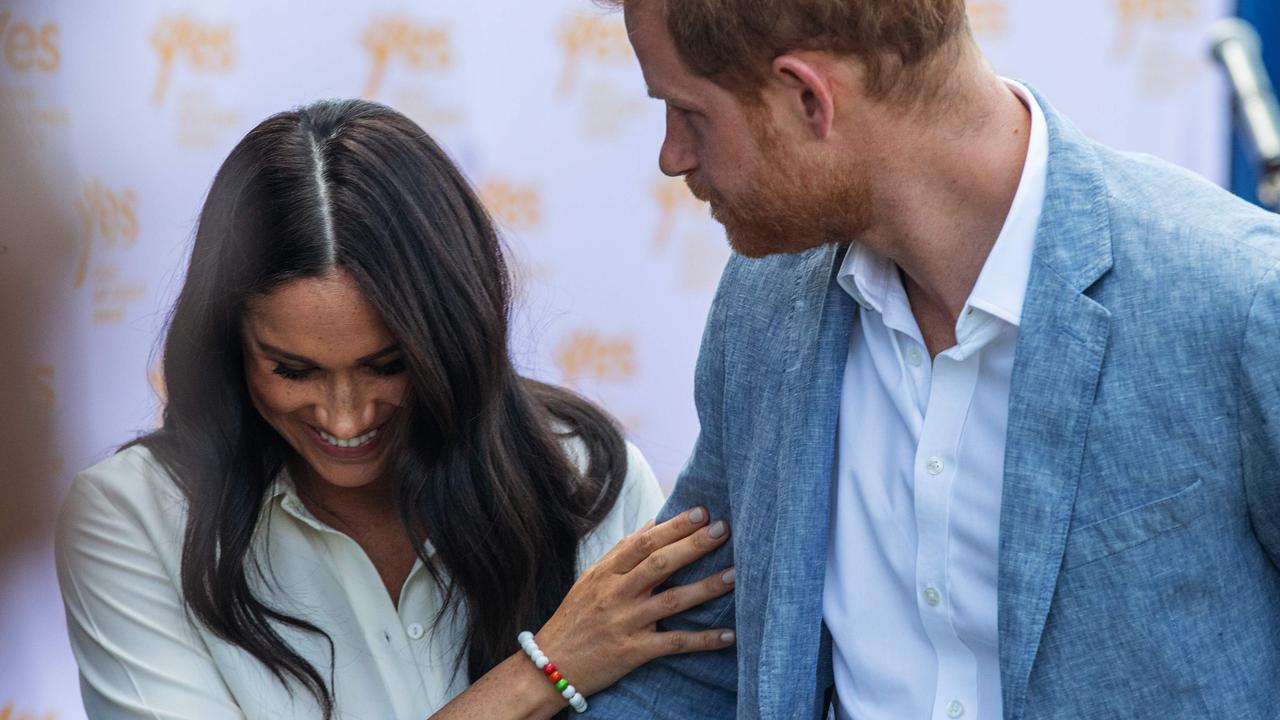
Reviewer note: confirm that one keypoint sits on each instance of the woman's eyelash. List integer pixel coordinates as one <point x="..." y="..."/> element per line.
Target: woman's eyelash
<point x="395" y="367"/>
<point x="290" y="373"/>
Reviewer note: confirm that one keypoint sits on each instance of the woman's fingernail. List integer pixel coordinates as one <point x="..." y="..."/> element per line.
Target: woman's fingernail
<point x="729" y="576"/>
<point x="717" y="531"/>
<point x="728" y="636"/>
<point x="697" y="515"/>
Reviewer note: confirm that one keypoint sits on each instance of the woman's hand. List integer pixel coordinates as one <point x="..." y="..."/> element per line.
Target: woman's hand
<point x="606" y="626"/>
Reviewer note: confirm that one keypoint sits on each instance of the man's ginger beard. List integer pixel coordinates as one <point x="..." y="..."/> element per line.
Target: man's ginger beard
<point x="790" y="204"/>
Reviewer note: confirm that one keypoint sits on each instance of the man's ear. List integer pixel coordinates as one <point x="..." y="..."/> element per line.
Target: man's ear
<point x="807" y="82"/>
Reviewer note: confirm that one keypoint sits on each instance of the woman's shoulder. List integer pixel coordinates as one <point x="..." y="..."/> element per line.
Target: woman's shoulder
<point x="639" y="486"/>
<point x="130" y="489"/>
<point x="640" y="489"/>
<point x="639" y="500"/>
<point x="132" y="473"/>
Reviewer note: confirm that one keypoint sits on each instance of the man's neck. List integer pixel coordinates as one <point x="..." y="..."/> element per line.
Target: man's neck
<point x="948" y="186"/>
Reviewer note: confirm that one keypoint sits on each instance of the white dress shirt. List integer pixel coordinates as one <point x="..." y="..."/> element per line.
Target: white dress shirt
<point x="141" y="656"/>
<point x="910" y="593"/>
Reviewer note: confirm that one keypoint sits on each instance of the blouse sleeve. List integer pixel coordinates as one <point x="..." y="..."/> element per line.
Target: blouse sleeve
<point x="138" y="653"/>
<point x="643" y="496"/>
<point x="638" y="502"/>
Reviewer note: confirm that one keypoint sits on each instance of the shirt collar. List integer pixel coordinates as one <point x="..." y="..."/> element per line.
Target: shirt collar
<point x="1002" y="284"/>
<point x="867" y="277"/>
<point x="285" y="492"/>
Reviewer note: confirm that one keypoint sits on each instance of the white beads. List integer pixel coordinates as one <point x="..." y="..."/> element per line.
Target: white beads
<point x="530" y="648"/>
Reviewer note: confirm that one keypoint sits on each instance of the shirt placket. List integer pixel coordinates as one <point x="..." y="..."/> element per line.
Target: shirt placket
<point x="935" y="470"/>
<point x="432" y="641"/>
<point x="385" y="634"/>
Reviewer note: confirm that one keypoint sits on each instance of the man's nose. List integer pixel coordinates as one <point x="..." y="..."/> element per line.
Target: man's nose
<point x="677" y="157"/>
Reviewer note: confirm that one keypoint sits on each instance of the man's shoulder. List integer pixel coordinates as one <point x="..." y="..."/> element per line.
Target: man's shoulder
<point x="1182" y="250"/>
<point x="760" y="289"/>
<point x="1173" y="216"/>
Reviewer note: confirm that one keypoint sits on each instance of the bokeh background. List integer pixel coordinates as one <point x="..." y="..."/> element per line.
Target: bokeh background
<point x="115" y="116"/>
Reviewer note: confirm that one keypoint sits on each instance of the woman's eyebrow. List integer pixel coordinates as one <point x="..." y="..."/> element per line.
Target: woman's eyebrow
<point x="303" y="360"/>
<point x="273" y="350"/>
<point x="392" y="348"/>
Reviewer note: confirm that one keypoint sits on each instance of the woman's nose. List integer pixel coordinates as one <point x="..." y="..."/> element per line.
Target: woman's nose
<point x="347" y="412"/>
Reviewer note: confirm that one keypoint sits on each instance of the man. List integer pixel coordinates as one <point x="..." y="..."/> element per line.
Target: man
<point x="994" y="410"/>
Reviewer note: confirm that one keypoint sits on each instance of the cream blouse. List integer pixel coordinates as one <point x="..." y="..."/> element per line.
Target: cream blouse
<point x="140" y="654"/>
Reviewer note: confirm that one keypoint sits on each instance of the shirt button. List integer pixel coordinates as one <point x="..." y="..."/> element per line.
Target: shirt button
<point x="415" y="631"/>
<point x="935" y="465"/>
<point x="933" y="597"/>
<point x="955" y="709"/>
<point x="915" y="357"/>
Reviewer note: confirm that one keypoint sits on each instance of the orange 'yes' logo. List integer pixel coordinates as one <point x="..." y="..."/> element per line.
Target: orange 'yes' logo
<point x="588" y="354"/>
<point x="204" y="48"/>
<point x="26" y="48"/>
<point x="105" y="213"/>
<point x="586" y="37"/>
<point x="1132" y="12"/>
<point x="420" y="47"/>
<point x="8" y="712"/>
<point x="988" y="19"/>
<point x="1158" y="10"/>
<point x="673" y="197"/>
<point x="518" y="207"/>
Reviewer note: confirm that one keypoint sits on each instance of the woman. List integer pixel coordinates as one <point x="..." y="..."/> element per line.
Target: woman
<point x="355" y="504"/>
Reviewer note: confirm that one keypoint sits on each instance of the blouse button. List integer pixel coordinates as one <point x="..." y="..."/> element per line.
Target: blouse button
<point x="415" y="631"/>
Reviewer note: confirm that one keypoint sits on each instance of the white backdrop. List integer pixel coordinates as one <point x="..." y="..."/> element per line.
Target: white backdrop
<point x="115" y="117"/>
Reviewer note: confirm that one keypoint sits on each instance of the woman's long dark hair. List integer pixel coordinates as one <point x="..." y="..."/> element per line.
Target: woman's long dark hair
<point x="480" y="466"/>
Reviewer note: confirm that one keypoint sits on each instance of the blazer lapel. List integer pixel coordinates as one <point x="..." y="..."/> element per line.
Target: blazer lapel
<point x="818" y="337"/>
<point x="1061" y="344"/>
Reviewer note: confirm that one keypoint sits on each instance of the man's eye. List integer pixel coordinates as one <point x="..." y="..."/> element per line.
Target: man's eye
<point x="291" y="373"/>
<point x="395" y="367"/>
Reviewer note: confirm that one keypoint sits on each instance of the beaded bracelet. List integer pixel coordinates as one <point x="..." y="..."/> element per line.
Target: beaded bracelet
<point x="567" y="691"/>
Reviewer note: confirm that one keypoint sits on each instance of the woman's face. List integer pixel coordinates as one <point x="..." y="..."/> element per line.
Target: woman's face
<point x="325" y="373"/>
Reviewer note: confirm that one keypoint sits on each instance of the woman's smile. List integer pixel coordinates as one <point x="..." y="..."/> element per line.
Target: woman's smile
<point x="356" y="448"/>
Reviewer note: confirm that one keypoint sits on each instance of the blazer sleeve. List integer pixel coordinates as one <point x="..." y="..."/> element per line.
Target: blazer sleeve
<point x="697" y="686"/>
<point x="1260" y="417"/>
<point x="138" y="653"/>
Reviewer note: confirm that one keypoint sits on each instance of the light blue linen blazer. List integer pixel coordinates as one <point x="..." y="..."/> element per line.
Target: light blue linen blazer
<point x="1140" y="528"/>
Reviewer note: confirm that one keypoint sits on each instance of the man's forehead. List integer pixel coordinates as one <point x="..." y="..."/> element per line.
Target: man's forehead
<point x="645" y="26"/>
<point x="659" y="62"/>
